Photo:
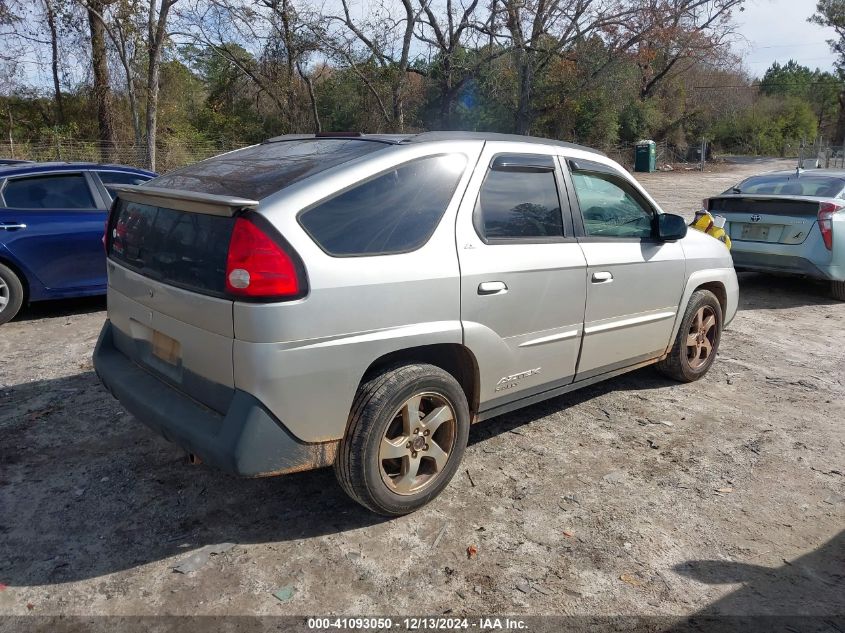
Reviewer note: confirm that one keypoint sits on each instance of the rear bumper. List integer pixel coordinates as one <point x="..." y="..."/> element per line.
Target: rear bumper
<point x="790" y="264"/>
<point x="248" y="440"/>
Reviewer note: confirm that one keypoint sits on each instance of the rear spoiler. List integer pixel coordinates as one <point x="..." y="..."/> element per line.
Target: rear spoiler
<point x="766" y="196"/>
<point x="764" y="203"/>
<point x="191" y="201"/>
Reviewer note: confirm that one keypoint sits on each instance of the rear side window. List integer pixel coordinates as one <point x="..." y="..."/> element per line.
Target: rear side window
<point x="394" y="212"/>
<point x="60" y="191"/>
<point x="175" y="247"/>
<point x="120" y="178"/>
<point x="518" y="205"/>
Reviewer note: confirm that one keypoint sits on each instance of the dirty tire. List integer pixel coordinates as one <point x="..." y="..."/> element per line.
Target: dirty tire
<point x="378" y="408"/>
<point x="677" y="364"/>
<point x="11" y="294"/>
<point x="837" y="289"/>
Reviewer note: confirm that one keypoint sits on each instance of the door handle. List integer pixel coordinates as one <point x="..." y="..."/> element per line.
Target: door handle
<point x="492" y="288"/>
<point x="603" y="277"/>
<point x="12" y="226"/>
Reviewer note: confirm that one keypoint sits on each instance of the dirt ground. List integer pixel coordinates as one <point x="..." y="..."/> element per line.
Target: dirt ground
<point x="636" y="496"/>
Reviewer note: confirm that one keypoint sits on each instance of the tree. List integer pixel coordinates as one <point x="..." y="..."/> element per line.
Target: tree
<point x="130" y="26"/>
<point x="540" y="31"/>
<point x="831" y="13"/>
<point x="819" y="89"/>
<point x="290" y="43"/>
<point x="156" y="35"/>
<point x="448" y="36"/>
<point x="208" y="75"/>
<point x="8" y="22"/>
<point x="682" y="34"/>
<point x="267" y="42"/>
<point x="50" y="14"/>
<point x="123" y="25"/>
<point x="102" y="80"/>
<point x="382" y="42"/>
<point x="789" y="79"/>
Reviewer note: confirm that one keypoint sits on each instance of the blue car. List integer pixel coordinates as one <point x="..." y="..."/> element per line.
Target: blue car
<point x="51" y="227"/>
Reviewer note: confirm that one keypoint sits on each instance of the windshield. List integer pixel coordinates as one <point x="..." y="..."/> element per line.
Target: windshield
<point x="258" y="171"/>
<point x="792" y="185"/>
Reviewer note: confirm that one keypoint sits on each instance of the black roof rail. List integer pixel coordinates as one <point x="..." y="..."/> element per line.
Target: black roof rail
<point x="337" y="134"/>
<point x="426" y="137"/>
<point x="389" y="139"/>
<point x="431" y="137"/>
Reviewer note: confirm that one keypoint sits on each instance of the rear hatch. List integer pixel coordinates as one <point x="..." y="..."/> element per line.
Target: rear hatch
<point x="772" y="219"/>
<point x="167" y="298"/>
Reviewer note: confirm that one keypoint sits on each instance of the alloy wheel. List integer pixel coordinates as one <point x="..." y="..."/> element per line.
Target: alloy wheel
<point x="417" y="443"/>
<point x="4" y="294"/>
<point x="701" y="337"/>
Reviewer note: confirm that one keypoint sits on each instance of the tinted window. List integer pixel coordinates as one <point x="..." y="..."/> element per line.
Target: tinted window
<point x="185" y="249"/>
<point x="256" y="172"/>
<point x="518" y="204"/>
<point x="611" y="207"/>
<point x="120" y="178"/>
<point x="65" y="191"/>
<point x="790" y="185"/>
<point x="392" y="213"/>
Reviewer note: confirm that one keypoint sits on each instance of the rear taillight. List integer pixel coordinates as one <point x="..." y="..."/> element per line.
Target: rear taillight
<point x="259" y="267"/>
<point x="826" y="212"/>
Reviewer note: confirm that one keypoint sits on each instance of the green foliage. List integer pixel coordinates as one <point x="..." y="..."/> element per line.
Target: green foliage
<point x="831" y="13"/>
<point x="768" y="127"/>
<point x="790" y="79"/>
<point x="819" y="89"/>
<point x="210" y="98"/>
<point x="639" y="120"/>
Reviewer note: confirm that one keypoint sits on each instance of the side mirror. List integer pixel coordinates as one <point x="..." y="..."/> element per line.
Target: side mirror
<point x="671" y="227"/>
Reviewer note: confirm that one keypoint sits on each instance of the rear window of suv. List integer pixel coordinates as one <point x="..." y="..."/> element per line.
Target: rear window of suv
<point x="258" y="171"/>
<point x="183" y="249"/>
<point x="394" y="212"/>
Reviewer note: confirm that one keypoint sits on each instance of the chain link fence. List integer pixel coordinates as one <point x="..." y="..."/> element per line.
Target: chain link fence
<point x="169" y="155"/>
<point x="172" y="154"/>
<point x="824" y="155"/>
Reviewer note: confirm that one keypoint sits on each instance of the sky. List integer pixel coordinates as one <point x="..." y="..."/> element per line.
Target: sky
<point x="777" y="31"/>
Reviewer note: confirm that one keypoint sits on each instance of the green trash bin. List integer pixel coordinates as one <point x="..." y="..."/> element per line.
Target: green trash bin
<point x="645" y="156"/>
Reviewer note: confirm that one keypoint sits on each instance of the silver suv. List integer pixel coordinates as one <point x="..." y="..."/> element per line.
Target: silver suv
<point x="361" y="300"/>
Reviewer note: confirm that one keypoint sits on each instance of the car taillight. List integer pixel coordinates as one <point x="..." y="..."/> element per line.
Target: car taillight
<point x="826" y="212"/>
<point x="257" y="266"/>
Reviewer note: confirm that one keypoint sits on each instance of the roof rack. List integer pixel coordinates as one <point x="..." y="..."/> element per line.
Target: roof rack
<point x="426" y="137"/>
<point x="388" y="139"/>
<point x="430" y="137"/>
<point x="337" y="134"/>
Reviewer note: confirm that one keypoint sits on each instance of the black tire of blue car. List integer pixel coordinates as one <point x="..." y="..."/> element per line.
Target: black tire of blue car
<point x="406" y="436"/>
<point x="837" y="289"/>
<point x="697" y="341"/>
<point x="11" y="294"/>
